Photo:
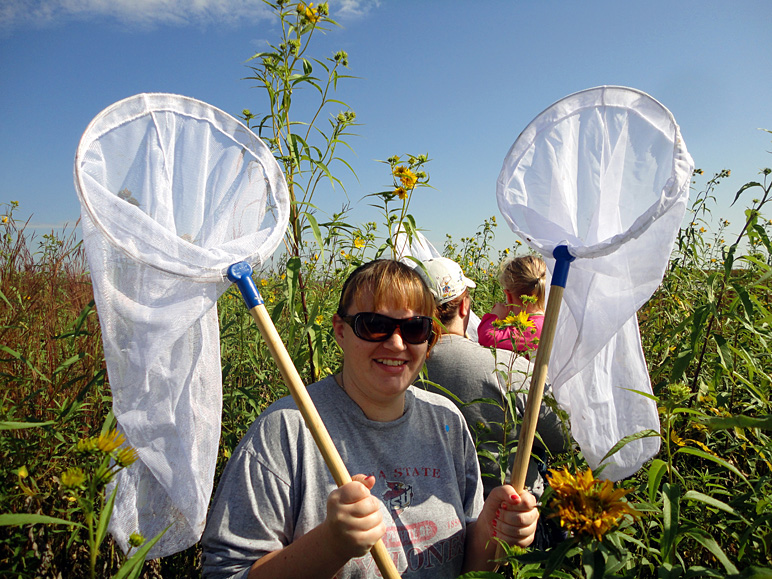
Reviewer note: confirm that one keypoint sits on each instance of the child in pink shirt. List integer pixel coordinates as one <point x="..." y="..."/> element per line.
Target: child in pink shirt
<point x="517" y="324"/>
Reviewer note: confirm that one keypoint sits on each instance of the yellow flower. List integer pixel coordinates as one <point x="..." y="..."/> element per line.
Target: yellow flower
<point x="400" y="192"/>
<point x="263" y="282"/>
<point x="73" y="477"/>
<point x="518" y="242"/>
<point x="319" y="319"/>
<point x="359" y="243"/>
<point x="587" y="506"/>
<point x="311" y="13"/>
<point x="22" y="472"/>
<point x="86" y="445"/>
<point x="676" y="439"/>
<point x="126" y="456"/>
<point x="406" y="176"/>
<point x="521" y="321"/>
<point x="702" y="230"/>
<point x="5" y="219"/>
<point x="110" y="441"/>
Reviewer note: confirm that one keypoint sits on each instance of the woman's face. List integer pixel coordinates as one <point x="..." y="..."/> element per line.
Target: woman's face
<point x="377" y="374"/>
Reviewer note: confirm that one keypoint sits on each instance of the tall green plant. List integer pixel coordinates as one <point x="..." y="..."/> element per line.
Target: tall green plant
<point x="306" y="149"/>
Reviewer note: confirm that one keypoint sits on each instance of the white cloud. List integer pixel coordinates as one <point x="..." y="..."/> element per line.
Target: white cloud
<point x="16" y="14"/>
<point x="350" y="8"/>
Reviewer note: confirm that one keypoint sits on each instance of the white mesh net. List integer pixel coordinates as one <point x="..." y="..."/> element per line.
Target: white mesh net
<point x="605" y="172"/>
<point x="422" y="249"/>
<point x="173" y="191"/>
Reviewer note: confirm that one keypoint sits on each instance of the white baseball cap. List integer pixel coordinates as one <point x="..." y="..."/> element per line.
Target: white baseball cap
<point x="444" y="278"/>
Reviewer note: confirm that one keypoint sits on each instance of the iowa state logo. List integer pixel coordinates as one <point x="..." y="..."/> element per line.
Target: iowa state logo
<point x="398" y="497"/>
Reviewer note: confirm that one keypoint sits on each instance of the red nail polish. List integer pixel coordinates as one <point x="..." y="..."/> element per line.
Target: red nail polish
<point x="515" y="498"/>
<point x="494" y="522"/>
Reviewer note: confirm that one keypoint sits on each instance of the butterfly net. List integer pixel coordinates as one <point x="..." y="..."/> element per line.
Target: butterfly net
<point x="420" y="248"/>
<point x="606" y="173"/>
<point x="172" y="192"/>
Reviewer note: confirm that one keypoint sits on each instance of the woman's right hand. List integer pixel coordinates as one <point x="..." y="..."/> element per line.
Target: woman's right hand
<point x="354" y="518"/>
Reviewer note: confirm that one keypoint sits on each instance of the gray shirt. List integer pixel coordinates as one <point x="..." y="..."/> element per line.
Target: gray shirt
<point x="275" y="486"/>
<point x="473" y="372"/>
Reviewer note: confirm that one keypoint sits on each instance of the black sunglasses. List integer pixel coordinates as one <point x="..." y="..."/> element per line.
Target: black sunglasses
<point x="372" y="327"/>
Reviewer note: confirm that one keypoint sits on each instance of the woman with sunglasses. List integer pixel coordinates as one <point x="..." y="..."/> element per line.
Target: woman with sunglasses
<point x="277" y="512"/>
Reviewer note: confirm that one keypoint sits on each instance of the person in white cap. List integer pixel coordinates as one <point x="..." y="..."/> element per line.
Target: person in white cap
<point x="470" y="372"/>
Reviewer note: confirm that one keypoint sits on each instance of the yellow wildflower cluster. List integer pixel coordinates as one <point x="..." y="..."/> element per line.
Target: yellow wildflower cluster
<point x="588" y="506"/>
<point x="126" y="456"/>
<point x="359" y="243"/>
<point x="312" y="14"/>
<point x="405" y="176"/>
<point x="521" y="321"/>
<point x="73" y="477"/>
<point x="107" y="443"/>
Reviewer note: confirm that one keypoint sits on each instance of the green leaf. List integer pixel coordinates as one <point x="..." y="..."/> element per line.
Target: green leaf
<point x="627" y="439"/>
<point x="129" y="568"/>
<point x="104" y="517"/>
<point x="707" y="541"/>
<point x="669" y="571"/>
<point x="741" y="421"/>
<point x="657" y="470"/>
<point x="22" y="425"/>
<point x="717" y="460"/>
<point x="293" y="277"/>
<point x="75" y="329"/>
<point x="14" y="519"/>
<point x="70" y="361"/>
<point x="317" y="233"/>
<point x="748" y="185"/>
<point x="594" y="563"/>
<point x="5" y="299"/>
<point x="557" y="555"/>
<point x="671" y="495"/>
<point x="21" y="358"/>
<point x="724" y="351"/>
<point x="711" y="501"/>
<point x="754" y="573"/>
<point x="682" y="362"/>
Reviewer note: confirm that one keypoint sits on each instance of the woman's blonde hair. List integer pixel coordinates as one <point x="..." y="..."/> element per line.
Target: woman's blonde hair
<point x="392" y="284"/>
<point x="524" y="276"/>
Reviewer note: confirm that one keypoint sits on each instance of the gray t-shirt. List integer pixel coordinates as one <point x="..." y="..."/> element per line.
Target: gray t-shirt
<point x="275" y="486"/>
<point x="471" y="371"/>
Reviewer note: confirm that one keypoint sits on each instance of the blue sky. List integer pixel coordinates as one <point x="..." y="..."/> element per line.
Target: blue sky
<point x="457" y="80"/>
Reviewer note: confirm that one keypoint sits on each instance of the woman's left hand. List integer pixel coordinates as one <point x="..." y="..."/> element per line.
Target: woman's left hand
<point x="510" y="516"/>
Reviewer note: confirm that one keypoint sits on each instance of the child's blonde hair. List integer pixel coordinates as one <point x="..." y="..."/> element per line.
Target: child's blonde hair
<point x="524" y="276"/>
